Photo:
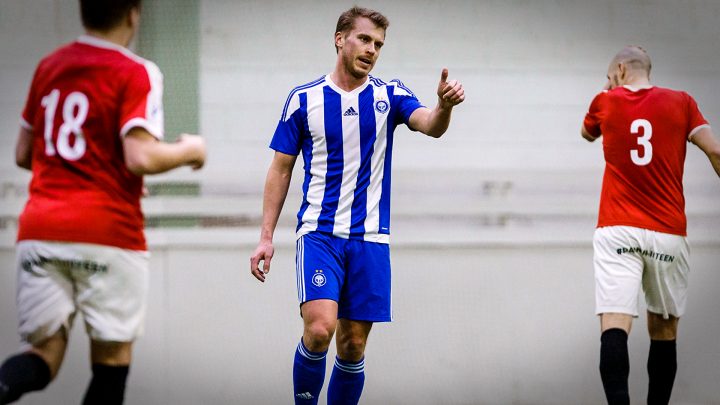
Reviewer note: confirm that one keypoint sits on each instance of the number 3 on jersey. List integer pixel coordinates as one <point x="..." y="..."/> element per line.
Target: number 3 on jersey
<point x="643" y="141"/>
<point x="74" y="113"/>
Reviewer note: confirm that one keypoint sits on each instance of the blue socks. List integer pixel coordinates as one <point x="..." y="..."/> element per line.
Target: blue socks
<point x="308" y="375"/>
<point x="346" y="382"/>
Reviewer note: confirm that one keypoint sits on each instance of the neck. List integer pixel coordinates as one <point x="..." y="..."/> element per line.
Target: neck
<point x="117" y="36"/>
<point x="343" y="79"/>
<point x="638" y="81"/>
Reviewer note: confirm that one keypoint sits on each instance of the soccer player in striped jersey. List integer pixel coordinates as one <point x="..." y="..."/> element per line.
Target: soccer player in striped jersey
<point x="343" y="125"/>
<point x="640" y="241"/>
<point x="91" y="128"/>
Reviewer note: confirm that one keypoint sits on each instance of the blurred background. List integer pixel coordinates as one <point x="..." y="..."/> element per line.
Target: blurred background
<point x="493" y="287"/>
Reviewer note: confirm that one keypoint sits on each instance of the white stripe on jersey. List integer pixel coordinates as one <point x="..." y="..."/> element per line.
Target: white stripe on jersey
<point x="318" y="163"/>
<point x="300" y="269"/>
<point x="351" y="162"/>
<point x="377" y="166"/>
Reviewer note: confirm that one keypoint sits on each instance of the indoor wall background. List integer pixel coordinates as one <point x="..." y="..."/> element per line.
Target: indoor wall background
<point x="492" y="224"/>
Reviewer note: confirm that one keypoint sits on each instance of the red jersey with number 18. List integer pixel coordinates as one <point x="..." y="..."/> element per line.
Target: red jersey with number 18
<point x="645" y="133"/>
<point x="84" y="98"/>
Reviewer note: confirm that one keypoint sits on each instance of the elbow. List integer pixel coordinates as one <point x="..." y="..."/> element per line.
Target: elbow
<point x="714" y="155"/>
<point x="715" y="152"/>
<point x="586" y="135"/>
<point x="435" y="134"/>
<point x="23" y="162"/>
<point x="138" y="165"/>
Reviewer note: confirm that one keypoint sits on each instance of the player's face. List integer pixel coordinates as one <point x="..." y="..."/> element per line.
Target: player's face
<point x="360" y="48"/>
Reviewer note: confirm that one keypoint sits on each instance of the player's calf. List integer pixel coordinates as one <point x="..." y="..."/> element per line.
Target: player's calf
<point x="615" y="366"/>
<point x="661" y="366"/>
<point x="308" y="375"/>
<point x="107" y="386"/>
<point x="346" y="382"/>
<point x="21" y="374"/>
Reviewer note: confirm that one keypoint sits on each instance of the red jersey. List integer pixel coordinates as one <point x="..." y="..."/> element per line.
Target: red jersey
<point x="84" y="98"/>
<point x="645" y="134"/>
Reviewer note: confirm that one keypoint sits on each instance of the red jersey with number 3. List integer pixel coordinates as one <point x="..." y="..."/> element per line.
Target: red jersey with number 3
<point x="645" y="133"/>
<point x="84" y="98"/>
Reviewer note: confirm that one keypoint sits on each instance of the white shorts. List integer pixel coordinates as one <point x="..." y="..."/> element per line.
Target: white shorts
<point x="108" y="285"/>
<point x="627" y="258"/>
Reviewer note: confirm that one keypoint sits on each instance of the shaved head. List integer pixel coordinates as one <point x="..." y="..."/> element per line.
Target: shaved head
<point x="635" y="58"/>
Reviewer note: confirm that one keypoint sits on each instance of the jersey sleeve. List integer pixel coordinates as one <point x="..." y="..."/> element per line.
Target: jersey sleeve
<point x="288" y="134"/>
<point x="142" y="105"/>
<point x="593" y="117"/>
<point x="696" y="121"/>
<point x="404" y="101"/>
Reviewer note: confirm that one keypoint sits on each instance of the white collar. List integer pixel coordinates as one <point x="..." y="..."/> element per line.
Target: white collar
<point x="636" y="89"/>
<point x="354" y="91"/>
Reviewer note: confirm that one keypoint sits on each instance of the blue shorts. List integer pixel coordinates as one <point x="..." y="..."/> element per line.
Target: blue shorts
<point x="353" y="273"/>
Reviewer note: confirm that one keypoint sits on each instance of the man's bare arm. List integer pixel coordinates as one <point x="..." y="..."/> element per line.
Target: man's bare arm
<point x="706" y="141"/>
<point x="276" y="189"/>
<point x="434" y="122"/>
<point x="144" y="154"/>
<point x="23" y="149"/>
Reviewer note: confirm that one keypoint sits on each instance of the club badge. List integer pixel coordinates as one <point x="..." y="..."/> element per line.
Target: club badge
<point x="318" y="278"/>
<point x="382" y="106"/>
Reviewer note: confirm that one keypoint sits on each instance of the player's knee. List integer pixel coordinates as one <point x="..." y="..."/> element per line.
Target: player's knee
<point x="662" y="329"/>
<point x="351" y="348"/>
<point x="111" y="353"/>
<point x="318" y="335"/>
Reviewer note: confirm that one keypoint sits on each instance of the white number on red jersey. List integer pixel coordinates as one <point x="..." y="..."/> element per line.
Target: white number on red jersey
<point x="74" y="113"/>
<point x="643" y="141"/>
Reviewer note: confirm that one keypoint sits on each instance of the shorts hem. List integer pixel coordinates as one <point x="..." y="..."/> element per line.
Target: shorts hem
<point x="319" y="298"/>
<point x="660" y="311"/>
<point x="361" y="318"/>
<point x="616" y="310"/>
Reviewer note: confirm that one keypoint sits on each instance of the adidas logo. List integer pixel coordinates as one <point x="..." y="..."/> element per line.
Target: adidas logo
<point x="350" y="112"/>
<point x="307" y="395"/>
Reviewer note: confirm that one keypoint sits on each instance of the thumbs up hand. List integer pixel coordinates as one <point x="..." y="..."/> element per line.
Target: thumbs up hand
<point x="451" y="92"/>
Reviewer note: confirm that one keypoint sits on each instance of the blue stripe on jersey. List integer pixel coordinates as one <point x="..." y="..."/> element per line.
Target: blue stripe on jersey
<point x="307" y="158"/>
<point x="298" y="88"/>
<point x="384" y="225"/>
<point x="366" y="101"/>
<point x="335" y="161"/>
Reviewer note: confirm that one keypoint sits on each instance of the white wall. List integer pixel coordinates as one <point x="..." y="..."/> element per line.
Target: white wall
<point x="530" y="69"/>
<point x="472" y="325"/>
<point x="492" y="223"/>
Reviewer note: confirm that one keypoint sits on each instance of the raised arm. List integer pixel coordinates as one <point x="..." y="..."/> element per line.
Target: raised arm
<point x="144" y="154"/>
<point x="23" y="149"/>
<point x="276" y="188"/>
<point x="705" y="140"/>
<point x="434" y="122"/>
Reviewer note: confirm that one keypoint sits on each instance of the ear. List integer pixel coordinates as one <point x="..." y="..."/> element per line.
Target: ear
<point x="622" y="71"/>
<point x="339" y="40"/>
<point x="133" y="17"/>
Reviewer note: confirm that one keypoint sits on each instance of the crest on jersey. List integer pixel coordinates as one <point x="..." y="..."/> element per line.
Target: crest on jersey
<point x="318" y="279"/>
<point x="382" y="106"/>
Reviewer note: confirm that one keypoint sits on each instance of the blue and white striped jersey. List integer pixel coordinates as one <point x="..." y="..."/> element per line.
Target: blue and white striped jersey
<point x="346" y="141"/>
